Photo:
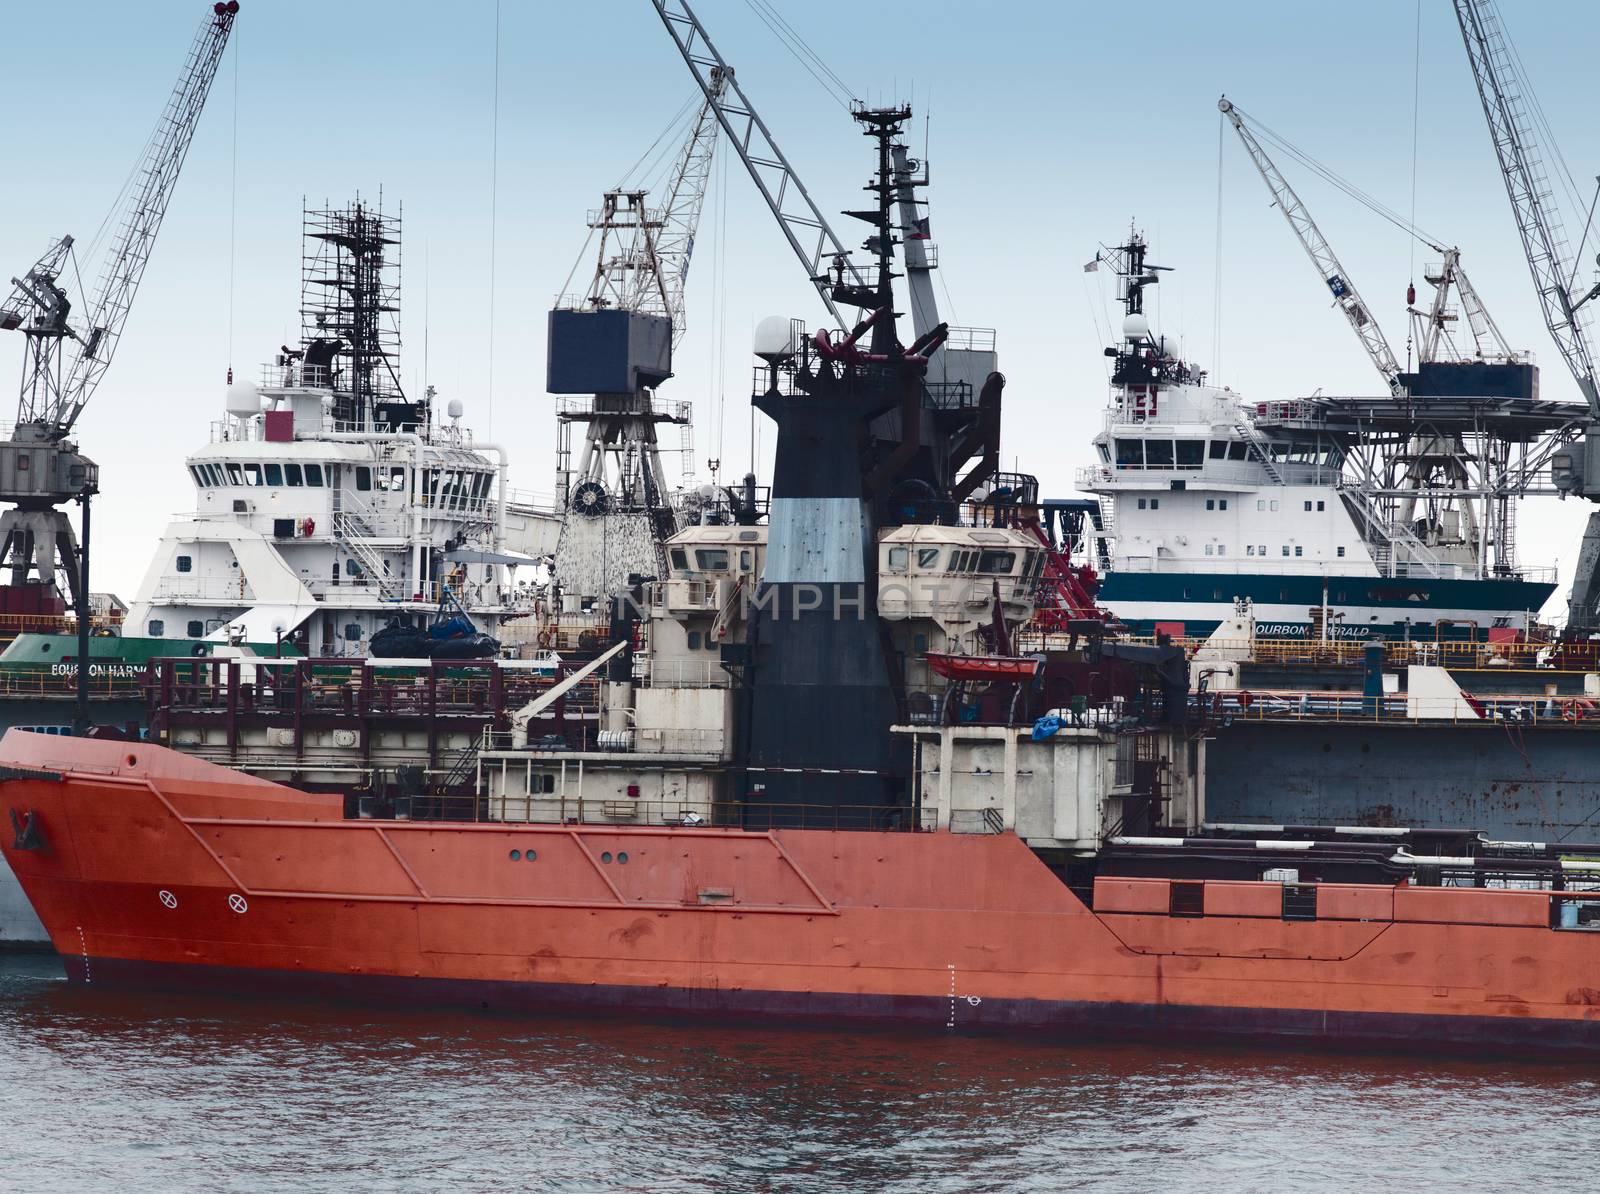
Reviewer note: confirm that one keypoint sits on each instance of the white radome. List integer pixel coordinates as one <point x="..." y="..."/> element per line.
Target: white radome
<point x="772" y="338"/>
<point x="1136" y="327"/>
<point x="455" y="410"/>
<point x="243" y="400"/>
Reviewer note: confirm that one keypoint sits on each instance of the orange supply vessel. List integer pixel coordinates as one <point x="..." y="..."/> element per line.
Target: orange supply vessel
<point x="151" y="868"/>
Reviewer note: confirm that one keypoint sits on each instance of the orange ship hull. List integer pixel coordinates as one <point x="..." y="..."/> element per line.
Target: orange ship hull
<point x="148" y="867"/>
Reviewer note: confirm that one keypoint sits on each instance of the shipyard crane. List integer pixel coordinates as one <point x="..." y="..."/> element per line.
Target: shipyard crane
<point x="1576" y="468"/>
<point x="821" y="253"/>
<point x="643" y="258"/>
<point x="1345" y="295"/>
<point x="40" y="467"/>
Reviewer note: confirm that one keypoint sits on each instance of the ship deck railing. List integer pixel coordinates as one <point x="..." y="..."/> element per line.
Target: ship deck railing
<point x="1456" y="655"/>
<point x="1510" y="711"/>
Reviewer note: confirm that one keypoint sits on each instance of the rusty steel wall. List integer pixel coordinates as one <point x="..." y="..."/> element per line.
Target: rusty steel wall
<point x="1539" y="784"/>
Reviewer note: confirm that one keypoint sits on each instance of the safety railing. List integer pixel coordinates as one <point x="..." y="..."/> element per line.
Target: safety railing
<point x="61" y="680"/>
<point x="1397" y="707"/>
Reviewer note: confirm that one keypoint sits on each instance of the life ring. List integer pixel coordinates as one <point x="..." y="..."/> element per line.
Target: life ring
<point x="1245" y="698"/>
<point x="544" y="638"/>
<point x="198" y="650"/>
<point x="1577" y="709"/>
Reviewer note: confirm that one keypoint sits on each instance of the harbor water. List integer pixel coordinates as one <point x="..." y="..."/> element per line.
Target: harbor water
<point x="100" y="1088"/>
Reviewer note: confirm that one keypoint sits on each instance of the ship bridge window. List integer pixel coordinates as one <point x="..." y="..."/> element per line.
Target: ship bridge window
<point x="997" y="561"/>
<point x="712" y="559"/>
<point x="235" y="477"/>
<point x="680" y="559"/>
<point x="1158" y="453"/>
<point x="1239" y="451"/>
<point x="194" y="471"/>
<point x="252" y="474"/>
<point x="273" y="474"/>
<point x="928" y="557"/>
<point x="899" y="557"/>
<point x="1130" y="453"/>
<point x="363" y="478"/>
<point x="1105" y="453"/>
<point x="184" y="563"/>
<point x="1190" y="452"/>
<point x="291" y="475"/>
<point x="1219" y="449"/>
<point x="314" y="475"/>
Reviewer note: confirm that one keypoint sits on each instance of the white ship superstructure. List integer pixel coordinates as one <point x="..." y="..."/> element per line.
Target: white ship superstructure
<point x="1336" y="517"/>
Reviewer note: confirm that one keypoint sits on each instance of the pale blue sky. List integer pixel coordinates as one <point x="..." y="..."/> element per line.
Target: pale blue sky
<point x="1053" y="125"/>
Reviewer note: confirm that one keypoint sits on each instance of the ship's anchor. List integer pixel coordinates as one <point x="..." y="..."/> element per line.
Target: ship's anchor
<point x="25" y="831"/>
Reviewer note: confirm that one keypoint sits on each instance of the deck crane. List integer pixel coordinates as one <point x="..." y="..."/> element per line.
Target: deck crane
<point x="1345" y="295"/>
<point x="40" y="466"/>
<point x="823" y="256"/>
<point x="1575" y="469"/>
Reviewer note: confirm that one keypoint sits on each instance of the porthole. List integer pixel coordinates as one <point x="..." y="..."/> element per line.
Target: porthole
<point x="516" y="856"/>
<point x="531" y="855"/>
<point x="622" y="857"/>
<point x="606" y="857"/>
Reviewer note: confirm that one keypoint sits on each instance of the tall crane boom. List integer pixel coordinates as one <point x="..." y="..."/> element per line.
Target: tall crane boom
<point x="1538" y="224"/>
<point x="40" y="468"/>
<point x="804" y="226"/>
<point x="1345" y="295"/>
<point x="680" y="217"/>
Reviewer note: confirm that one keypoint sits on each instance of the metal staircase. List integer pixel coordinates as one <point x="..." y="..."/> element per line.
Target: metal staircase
<point x="352" y="530"/>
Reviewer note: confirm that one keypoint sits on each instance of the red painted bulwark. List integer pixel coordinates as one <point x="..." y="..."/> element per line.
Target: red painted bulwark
<point x="160" y="868"/>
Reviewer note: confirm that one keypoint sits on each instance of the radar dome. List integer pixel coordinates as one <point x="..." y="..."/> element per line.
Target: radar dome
<point x="1170" y="347"/>
<point x="455" y="409"/>
<point x="772" y="339"/>
<point x="243" y="400"/>
<point x="1136" y="327"/>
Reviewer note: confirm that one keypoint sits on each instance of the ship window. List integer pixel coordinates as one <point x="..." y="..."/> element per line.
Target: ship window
<point x="1308" y="505"/>
<point x="184" y="563"/>
<point x="157" y="627"/>
<point x="899" y="557"/>
<point x="352" y="632"/>
<point x="197" y="628"/>
<point x="1219" y="449"/>
<point x="1211" y="504"/>
<point x="1298" y="550"/>
<point x="1321" y="505"/>
<point x="1130" y="453"/>
<point x="1155" y="503"/>
<point x="1273" y="505"/>
<point x="712" y="559"/>
<point x="927" y="557"/>
<point x="1341" y="553"/>
<point x="1285" y="549"/>
<point x="1143" y="503"/>
<point x="1105" y="453"/>
<point x="744" y="560"/>
<point x="214" y="475"/>
<point x="291" y="475"/>
<point x="235" y="477"/>
<point x="694" y="640"/>
<point x="314" y="475"/>
<point x="1222" y="549"/>
<point x="1299" y="901"/>
<point x="1249" y="549"/>
<point x="252" y="474"/>
<point x="997" y="561"/>
<point x="680" y="559"/>
<point x="397" y="479"/>
<point x="1261" y="504"/>
<point x="274" y="473"/>
<point x="1186" y="899"/>
<point x="1158" y="453"/>
<point x="1239" y="451"/>
<point x="1222" y="503"/>
<point x="1190" y="452"/>
<point x="1208" y="549"/>
<point x="194" y="471"/>
<point x="363" y="478"/>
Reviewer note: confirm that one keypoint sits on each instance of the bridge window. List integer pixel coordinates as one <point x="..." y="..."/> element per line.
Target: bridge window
<point x="184" y="563"/>
<point x="997" y="561"/>
<point x="1158" y="453"/>
<point x="680" y="559"/>
<point x="899" y="557"/>
<point x="363" y="478"/>
<point x="291" y="475"/>
<point x="235" y="477"/>
<point x="1219" y="449"/>
<point x="712" y="559"/>
<point x="274" y="474"/>
<point x="1239" y="451"/>
<point x="1190" y="453"/>
<point x="314" y="475"/>
<point x="928" y="557"/>
<point x="1130" y="453"/>
<point x="252" y="474"/>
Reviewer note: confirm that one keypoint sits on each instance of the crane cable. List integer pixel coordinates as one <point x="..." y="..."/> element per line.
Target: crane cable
<point x="233" y="204"/>
<point x="494" y="200"/>
<point x="801" y="51"/>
